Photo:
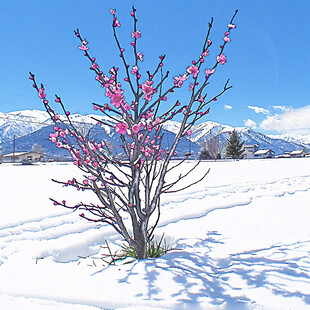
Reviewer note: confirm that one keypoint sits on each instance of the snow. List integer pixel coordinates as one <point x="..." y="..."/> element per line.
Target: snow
<point x="240" y="239"/>
<point x="200" y="130"/>
<point x="293" y="137"/>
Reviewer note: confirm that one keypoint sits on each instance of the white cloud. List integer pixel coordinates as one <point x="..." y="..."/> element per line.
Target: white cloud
<point x="250" y="123"/>
<point x="282" y="108"/>
<point x="294" y="120"/>
<point x="227" y="107"/>
<point x="258" y="109"/>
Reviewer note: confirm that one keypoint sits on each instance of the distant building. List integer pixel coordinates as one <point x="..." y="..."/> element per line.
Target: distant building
<point x="249" y="150"/>
<point x="23" y="157"/>
<point x="300" y="153"/>
<point x="284" y="155"/>
<point x="264" y="154"/>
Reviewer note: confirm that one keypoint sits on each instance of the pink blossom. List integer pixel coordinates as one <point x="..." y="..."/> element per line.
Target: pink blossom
<point x="180" y="79"/>
<point x="136" y="34"/>
<point x="121" y="128"/>
<point x="112" y="12"/>
<point x="147" y="89"/>
<point x="117" y="98"/>
<point x="41" y="93"/>
<point x="221" y="59"/>
<point x="83" y="47"/>
<point x="193" y="70"/>
<point x="136" y="128"/>
<point x="94" y="66"/>
<point x="189" y="132"/>
<point x="209" y="72"/>
<point x="134" y="70"/>
<point x="191" y="86"/>
<point x="209" y="42"/>
<point x="226" y="39"/>
<point x="117" y="23"/>
<point x="231" y="26"/>
<point x="205" y="53"/>
<point x="126" y="106"/>
<point x="140" y="56"/>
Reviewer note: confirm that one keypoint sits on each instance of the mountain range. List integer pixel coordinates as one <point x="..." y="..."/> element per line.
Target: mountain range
<point x="32" y="127"/>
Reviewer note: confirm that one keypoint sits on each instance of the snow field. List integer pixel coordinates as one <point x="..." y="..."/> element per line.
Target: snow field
<point x="241" y="240"/>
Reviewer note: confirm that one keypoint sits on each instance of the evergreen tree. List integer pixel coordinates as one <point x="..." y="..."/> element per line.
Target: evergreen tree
<point x="204" y="154"/>
<point x="234" y="147"/>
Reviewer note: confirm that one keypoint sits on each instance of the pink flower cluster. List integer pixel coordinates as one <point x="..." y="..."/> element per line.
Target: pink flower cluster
<point x="221" y="59"/>
<point x="59" y="137"/>
<point x="114" y="91"/>
<point x="136" y="34"/>
<point x="226" y="38"/>
<point x="148" y="90"/>
<point x="193" y="70"/>
<point x="180" y="79"/>
<point x="41" y="93"/>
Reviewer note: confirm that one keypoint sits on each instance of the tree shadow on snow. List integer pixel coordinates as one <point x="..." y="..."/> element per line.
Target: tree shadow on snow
<point x="194" y="275"/>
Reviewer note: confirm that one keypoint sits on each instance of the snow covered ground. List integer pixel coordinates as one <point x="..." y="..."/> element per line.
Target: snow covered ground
<point x="241" y="239"/>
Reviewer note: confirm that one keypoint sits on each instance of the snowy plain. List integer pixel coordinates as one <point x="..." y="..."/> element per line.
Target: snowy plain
<point x="241" y="240"/>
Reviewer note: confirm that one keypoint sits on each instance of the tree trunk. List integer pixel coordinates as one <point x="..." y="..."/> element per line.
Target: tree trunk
<point x="140" y="237"/>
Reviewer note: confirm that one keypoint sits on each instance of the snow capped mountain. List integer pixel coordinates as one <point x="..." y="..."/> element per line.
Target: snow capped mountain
<point x="33" y="127"/>
<point x="200" y="130"/>
<point x="206" y="130"/>
<point x="266" y="142"/>
<point x="209" y="128"/>
<point x="293" y="138"/>
<point x="21" y="123"/>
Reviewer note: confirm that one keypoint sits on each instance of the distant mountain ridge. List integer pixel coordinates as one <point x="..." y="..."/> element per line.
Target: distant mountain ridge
<point x="32" y="127"/>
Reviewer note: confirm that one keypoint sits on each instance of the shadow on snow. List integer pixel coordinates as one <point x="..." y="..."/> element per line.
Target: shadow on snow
<point x="195" y="275"/>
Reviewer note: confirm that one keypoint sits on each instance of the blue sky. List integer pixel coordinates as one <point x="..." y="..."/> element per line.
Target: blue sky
<point x="268" y="60"/>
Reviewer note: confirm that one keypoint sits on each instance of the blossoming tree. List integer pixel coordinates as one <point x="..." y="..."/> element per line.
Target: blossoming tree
<point x="129" y="187"/>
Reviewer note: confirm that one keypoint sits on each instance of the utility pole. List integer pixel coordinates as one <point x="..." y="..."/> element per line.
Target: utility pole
<point x="13" y="158"/>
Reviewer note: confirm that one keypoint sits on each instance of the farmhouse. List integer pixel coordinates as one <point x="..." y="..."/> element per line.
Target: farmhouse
<point x="264" y="153"/>
<point x="19" y="157"/>
<point x="300" y="153"/>
<point x="249" y="150"/>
